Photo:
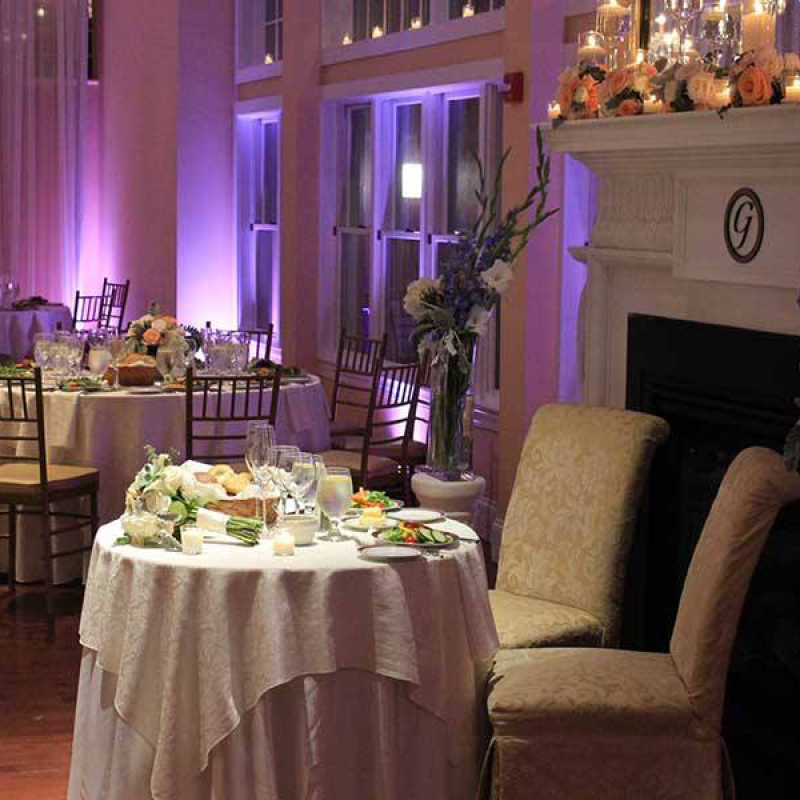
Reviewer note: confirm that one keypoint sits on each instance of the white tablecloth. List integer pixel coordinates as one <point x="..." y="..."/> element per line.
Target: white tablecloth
<point x="110" y="430"/>
<point x="238" y="675"/>
<point x="17" y="328"/>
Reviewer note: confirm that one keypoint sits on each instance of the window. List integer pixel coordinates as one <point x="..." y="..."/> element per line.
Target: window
<point x="408" y="192"/>
<point x="468" y="8"/>
<point x="258" y="179"/>
<point x="260" y="26"/>
<point x="375" y="18"/>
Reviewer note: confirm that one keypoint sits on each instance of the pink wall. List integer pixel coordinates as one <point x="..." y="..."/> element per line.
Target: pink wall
<point x="206" y="269"/>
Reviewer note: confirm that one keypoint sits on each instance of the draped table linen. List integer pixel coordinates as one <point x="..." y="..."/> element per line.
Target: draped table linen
<point x="17" y="328"/>
<point x="110" y="430"/>
<point x="186" y="659"/>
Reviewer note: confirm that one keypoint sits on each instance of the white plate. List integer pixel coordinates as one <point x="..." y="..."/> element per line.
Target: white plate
<point x="143" y="389"/>
<point x="355" y="524"/>
<point x="388" y="552"/>
<point x="422" y="515"/>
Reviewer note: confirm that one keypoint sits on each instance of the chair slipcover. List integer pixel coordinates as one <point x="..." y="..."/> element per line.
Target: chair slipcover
<point x="587" y="723"/>
<point x="569" y="525"/>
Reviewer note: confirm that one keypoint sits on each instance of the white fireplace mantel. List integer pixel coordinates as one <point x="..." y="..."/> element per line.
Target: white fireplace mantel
<point x="664" y="183"/>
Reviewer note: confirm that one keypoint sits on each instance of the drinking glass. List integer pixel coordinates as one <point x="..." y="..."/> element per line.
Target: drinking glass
<point x="303" y="475"/>
<point x="240" y="351"/>
<point x="334" y="495"/>
<point x="165" y="362"/>
<point x="99" y="353"/>
<point x="117" y="346"/>
<point x="309" y="497"/>
<point x="259" y="456"/>
<point x="43" y="350"/>
<point x="69" y="353"/>
<point x="285" y="456"/>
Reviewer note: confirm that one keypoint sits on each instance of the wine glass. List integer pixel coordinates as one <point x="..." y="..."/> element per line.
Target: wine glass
<point x="99" y="353"/>
<point x="284" y="464"/>
<point x="303" y="475"/>
<point x="259" y="456"/>
<point x="69" y="353"/>
<point x="117" y="346"/>
<point x="43" y="350"/>
<point x="309" y="497"/>
<point x="334" y="495"/>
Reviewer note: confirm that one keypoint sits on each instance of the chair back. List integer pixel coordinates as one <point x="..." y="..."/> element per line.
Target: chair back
<point x="218" y="408"/>
<point x="260" y="341"/>
<point x="358" y="361"/>
<point x="22" y="432"/>
<point x="90" y="310"/>
<point x="755" y="488"/>
<point x="573" y="508"/>
<point x="392" y="410"/>
<point x="115" y="297"/>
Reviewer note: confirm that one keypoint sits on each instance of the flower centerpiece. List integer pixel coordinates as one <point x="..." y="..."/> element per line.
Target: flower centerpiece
<point x="756" y="78"/>
<point x="623" y="92"/>
<point x="577" y="91"/>
<point x="451" y="312"/>
<point x="162" y="487"/>
<point x="154" y="330"/>
<point x="690" y="87"/>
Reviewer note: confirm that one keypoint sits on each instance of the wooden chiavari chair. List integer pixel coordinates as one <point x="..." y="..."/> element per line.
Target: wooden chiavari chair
<point x="115" y="298"/>
<point x="89" y="311"/>
<point x="215" y="402"/>
<point x="394" y="389"/>
<point x="358" y="361"/>
<point x="29" y="485"/>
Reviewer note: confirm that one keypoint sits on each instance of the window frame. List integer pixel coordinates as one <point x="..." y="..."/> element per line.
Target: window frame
<point x="256" y="68"/>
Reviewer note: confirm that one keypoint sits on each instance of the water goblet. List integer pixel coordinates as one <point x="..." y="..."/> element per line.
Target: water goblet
<point x="43" y="350"/>
<point x="285" y="456"/>
<point x="99" y="353"/>
<point x="259" y="457"/>
<point x="117" y="346"/>
<point x="303" y="476"/>
<point x="335" y="495"/>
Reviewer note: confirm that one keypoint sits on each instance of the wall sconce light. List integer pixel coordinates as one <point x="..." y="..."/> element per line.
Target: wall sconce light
<point x="411" y="181"/>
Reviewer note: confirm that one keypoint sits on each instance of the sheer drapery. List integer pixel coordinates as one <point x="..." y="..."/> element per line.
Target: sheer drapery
<point x="43" y="72"/>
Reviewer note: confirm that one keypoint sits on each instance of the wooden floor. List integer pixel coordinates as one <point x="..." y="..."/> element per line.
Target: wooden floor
<point x="38" y="683"/>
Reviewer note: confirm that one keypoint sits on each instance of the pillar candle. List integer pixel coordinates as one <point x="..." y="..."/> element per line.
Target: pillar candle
<point x="283" y="544"/>
<point x="758" y="29"/>
<point x="192" y="541"/>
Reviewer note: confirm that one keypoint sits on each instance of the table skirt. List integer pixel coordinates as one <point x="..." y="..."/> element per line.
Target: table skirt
<point x="346" y="735"/>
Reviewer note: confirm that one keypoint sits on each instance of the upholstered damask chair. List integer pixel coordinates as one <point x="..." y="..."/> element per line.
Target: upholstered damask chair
<point x="569" y="526"/>
<point x="590" y="724"/>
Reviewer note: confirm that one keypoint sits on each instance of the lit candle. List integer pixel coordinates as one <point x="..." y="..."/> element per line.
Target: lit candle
<point x="641" y="56"/>
<point x="722" y="98"/>
<point x="592" y="49"/>
<point x="468" y="10"/>
<point x="377" y="32"/>
<point x="416" y="23"/>
<point x="613" y="9"/>
<point x="283" y="544"/>
<point x="792" y="90"/>
<point x="758" y="28"/>
<point x="661" y="21"/>
<point x="689" y="50"/>
<point x="652" y="105"/>
<point x="192" y="541"/>
<point x="554" y="110"/>
<point x="268" y="58"/>
<point x="346" y="39"/>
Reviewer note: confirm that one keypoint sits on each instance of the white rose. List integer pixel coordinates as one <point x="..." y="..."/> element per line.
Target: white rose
<point x="498" y="276"/>
<point x="769" y="60"/>
<point x="580" y="95"/>
<point x="159" y="325"/>
<point x="412" y="302"/>
<point x="702" y="89"/>
<point x="140" y="527"/>
<point x="145" y="318"/>
<point x="203" y="492"/>
<point x="478" y="320"/>
<point x="174" y="478"/>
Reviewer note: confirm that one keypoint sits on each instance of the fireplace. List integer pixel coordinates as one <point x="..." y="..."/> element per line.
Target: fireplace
<point x="721" y="389"/>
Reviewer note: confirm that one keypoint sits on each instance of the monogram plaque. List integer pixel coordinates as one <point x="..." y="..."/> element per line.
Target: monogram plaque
<point x="744" y="225"/>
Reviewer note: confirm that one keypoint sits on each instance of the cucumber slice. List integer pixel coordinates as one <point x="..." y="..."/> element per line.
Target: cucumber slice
<point x="440" y="538"/>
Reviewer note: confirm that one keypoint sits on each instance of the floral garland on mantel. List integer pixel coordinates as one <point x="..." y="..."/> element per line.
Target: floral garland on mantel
<point x="588" y="91"/>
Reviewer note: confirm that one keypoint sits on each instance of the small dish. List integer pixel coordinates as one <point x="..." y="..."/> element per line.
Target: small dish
<point x="143" y="389"/>
<point x="423" y="516"/>
<point x="388" y="552"/>
<point x="302" y="526"/>
<point x="355" y="524"/>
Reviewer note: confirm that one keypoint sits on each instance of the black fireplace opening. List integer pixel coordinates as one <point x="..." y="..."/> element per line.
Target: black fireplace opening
<point x="721" y="389"/>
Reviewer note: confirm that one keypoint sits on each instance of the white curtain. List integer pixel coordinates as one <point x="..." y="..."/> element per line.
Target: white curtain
<point x="43" y="73"/>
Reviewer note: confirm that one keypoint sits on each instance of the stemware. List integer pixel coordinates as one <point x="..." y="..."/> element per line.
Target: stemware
<point x="69" y="353"/>
<point x="117" y="346"/>
<point x="99" y="353"/>
<point x="309" y="497"/>
<point x="259" y="457"/>
<point x="334" y="495"/>
<point x="43" y="350"/>
<point x="303" y="476"/>
<point x="285" y="456"/>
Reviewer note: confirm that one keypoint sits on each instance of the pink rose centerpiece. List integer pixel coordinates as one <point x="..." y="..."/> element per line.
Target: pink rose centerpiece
<point x="148" y="333"/>
<point x="690" y="87"/>
<point x="756" y="78"/>
<point x="577" y="93"/>
<point x="623" y="92"/>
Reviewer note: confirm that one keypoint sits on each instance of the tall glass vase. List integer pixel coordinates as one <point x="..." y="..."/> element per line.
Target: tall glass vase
<point x="450" y="427"/>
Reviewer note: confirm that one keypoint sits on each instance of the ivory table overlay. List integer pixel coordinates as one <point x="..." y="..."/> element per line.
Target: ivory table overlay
<point x="17" y="328"/>
<point x="109" y="431"/>
<point x="239" y="675"/>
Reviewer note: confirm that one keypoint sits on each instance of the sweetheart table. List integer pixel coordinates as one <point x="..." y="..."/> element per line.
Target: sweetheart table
<point x="241" y="675"/>
<point x="109" y="430"/>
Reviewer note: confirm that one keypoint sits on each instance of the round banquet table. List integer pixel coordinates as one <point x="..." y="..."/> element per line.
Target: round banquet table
<point x="17" y="328"/>
<point x="241" y="675"/>
<point x="109" y="431"/>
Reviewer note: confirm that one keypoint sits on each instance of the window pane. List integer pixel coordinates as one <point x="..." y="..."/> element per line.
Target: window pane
<point x="402" y="267"/>
<point x="376" y="16"/>
<point x="394" y="16"/>
<point x="264" y="258"/>
<point x="463" y="130"/>
<point x="355" y="284"/>
<point x="271" y="12"/>
<point x="359" y="179"/>
<point x="267" y="205"/>
<point x="408" y="167"/>
<point x="445" y="252"/>
<point x="271" y="42"/>
<point x="360" y="20"/>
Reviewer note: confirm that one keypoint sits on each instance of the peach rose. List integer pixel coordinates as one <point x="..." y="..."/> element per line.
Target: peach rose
<point x="171" y="321"/>
<point x="590" y="84"/>
<point x="619" y="80"/>
<point x="755" y="87"/>
<point x="564" y="97"/>
<point x="629" y="108"/>
<point x="151" y="336"/>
